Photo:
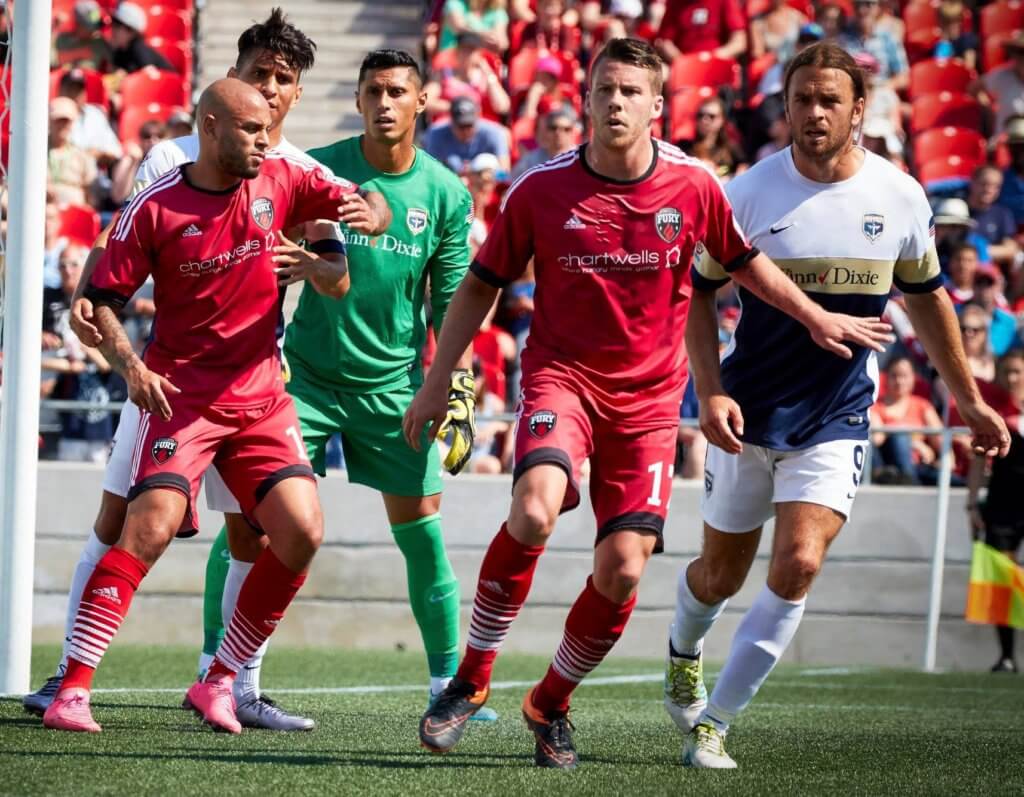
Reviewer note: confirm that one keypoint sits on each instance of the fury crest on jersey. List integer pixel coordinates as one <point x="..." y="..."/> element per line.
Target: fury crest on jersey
<point x="541" y="422"/>
<point x="416" y="220"/>
<point x="668" y="222"/>
<point x="263" y="212"/>
<point x="163" y="449"/>
<point x="873" y="226"/>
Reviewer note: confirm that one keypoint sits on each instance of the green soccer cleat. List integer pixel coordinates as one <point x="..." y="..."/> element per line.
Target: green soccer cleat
<point x="704" y="748"/>
<point x="686" y="697"/>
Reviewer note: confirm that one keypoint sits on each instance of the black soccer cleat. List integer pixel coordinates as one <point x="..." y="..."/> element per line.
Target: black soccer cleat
<point x="552" y="733"/>
<point x="37" y="702"/>
<point x="445" y="720"/>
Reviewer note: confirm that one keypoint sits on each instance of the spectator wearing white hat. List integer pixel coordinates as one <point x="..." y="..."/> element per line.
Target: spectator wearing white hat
<point x="482" y="181"/>
<point x="71" y="170"/>
<point x="954" y="226"/>
<point x="130" y="51"/>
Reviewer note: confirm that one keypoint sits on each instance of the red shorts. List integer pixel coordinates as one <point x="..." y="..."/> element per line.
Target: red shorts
<point x="630" y="469"/>
<point x="253" y="448"/>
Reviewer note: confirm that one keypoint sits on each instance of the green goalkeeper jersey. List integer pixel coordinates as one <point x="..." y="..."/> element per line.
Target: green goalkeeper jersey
<point x="370" y="340"/>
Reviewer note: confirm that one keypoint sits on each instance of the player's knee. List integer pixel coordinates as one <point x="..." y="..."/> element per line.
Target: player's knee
<point x="110" y="518"/>
<point x="793" y="571"/>
<point x="618" y="581"/>
<point x="531" y="521"/>
<point x="147" y="534"/>
<point x="723" y="582"/>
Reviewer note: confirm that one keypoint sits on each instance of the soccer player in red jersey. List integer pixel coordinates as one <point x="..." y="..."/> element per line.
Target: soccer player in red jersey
<point x="612" y="228"/>
<point x="209" y="385"/>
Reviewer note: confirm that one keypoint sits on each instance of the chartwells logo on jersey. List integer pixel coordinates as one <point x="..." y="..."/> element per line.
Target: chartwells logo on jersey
<point x="603" y="262"/>
<point x="840" y="275"/>
<point x="382" y="243"/>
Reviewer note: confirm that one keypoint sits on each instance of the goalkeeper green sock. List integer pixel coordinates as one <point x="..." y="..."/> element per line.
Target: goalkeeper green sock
<point x="433" y="592"/>
<point x="213" y="591"/>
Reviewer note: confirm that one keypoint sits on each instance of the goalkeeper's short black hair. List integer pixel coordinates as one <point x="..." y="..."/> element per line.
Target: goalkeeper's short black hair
<point x="388" y="59"/>
<point x="277" y="35"/>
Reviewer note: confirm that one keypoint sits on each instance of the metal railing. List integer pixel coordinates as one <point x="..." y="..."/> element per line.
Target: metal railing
<point x="938" y="560"/>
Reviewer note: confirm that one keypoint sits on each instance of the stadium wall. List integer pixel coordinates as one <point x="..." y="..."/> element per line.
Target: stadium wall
<point x="868" y="607"/>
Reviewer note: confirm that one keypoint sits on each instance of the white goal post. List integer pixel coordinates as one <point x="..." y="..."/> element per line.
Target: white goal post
<point x="29" y="60"/>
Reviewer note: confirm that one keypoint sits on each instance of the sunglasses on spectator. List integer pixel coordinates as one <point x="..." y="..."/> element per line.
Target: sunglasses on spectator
<point x="708" y="115"/>
<point x="560" y="128"/>
<point x="971" y="330"/>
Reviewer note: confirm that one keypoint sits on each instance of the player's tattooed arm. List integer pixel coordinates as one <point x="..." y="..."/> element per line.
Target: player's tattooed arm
<point x="324" y="265"/>
<point x="147" y="390"/>
<point x="366" y="212"/>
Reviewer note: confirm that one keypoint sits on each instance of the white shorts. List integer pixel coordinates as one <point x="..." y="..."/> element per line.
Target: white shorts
<point x="740" y="490"/>
<point x="117" y="477"/>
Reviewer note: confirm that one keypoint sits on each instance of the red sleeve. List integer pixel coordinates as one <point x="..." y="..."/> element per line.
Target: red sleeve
<point x="126" y="262"/>
<point x="668" y="29"/>
<point x="734" y="17"/>
<point x="315" y="194"/>
<point x="509" y="245"/>
<point x="724" y="239"/>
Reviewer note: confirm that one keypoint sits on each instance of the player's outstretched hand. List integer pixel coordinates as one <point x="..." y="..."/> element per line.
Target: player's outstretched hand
<point x="429" y="405"/>
<point x="81" y="323"/>
<point x="832" y="329"/>
<point x="989" y="435"/>
<point x="297" y="264"/>
<point x="148" y="391"/>
<point x="721" y="421"/>
<point x="365" y="214"/>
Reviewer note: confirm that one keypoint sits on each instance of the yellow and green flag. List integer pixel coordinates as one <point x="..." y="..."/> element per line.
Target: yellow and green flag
<point x="996" y="592"/>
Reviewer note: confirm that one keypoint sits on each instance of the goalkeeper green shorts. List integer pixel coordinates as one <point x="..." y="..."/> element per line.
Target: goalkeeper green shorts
<point x="370" y="425"/>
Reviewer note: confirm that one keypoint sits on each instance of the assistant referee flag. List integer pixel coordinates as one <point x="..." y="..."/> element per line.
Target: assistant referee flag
<point x="996" y="592"/>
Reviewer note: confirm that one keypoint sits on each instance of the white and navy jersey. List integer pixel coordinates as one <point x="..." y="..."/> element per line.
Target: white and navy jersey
<point x="845" y="244"/>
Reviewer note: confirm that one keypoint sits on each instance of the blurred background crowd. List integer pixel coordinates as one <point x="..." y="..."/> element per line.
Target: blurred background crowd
<point x="504" y="93"/>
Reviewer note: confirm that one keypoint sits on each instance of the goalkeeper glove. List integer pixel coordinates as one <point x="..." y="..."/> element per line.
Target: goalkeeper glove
<point x="460" y="423"/>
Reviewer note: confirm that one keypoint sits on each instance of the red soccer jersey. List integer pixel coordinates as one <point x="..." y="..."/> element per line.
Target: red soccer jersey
<point x="696" y="26"/>
<point x="214" y="284"/>
<point x="612" y="262"/>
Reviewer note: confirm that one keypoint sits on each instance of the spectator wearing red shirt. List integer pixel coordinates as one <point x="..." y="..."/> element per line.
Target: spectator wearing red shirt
<point x="963" y="267"/>
<point x="549" y="31"/>
<point x="694" y="26"/>
<point x="471" y="76"/>
<point x="909" y="457"/>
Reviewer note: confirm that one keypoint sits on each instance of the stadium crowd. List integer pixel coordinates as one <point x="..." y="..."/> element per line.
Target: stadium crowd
<point x="505" y="94"/>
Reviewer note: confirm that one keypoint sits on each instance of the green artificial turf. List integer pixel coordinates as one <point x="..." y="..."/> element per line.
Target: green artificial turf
<point x="808" y="732"/>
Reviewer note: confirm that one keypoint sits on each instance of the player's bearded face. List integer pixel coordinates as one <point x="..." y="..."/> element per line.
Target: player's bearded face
<point x="390" y="100"/>
<point x="822" y="112"/>
<point x="242" y="144"/>
<point x="621" y="103"/>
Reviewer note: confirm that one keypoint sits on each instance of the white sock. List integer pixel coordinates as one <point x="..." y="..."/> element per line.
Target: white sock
<point x="91" y="555"/>
<point x="205" y="660"/>
<point x="438" y="685"/>
<point x="762" y="637"/>
<point x="247" y="682"/>
<point x="693" y="619"/>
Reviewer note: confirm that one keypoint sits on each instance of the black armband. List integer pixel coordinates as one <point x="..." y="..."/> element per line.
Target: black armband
<point x="105" y="296"/>
<point x="327" y="246"/>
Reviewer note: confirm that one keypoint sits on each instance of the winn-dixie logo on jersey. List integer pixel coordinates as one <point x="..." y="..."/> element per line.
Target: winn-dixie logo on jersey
<point x="222" y="261"/>
<point x="382" y="243"/>
<point x="846" y="275"/>
<point x="602" y="262"/>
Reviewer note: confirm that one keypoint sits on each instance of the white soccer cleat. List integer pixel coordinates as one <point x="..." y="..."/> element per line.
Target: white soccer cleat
<point x="686" y="697"/>
<point x="262" y="712"/>
<point x="704" y="748"/>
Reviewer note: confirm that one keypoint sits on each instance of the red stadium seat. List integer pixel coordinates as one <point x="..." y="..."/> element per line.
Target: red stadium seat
<point x="1002" y="18"/>
<point x="134" y="117"/>
<point x="79" y="224"/>
<point x="703" y="69"/>
<point x="177" y="53"/>
<point x="940" y="74"/>
<point x="920" y="15"/>
<point x="169" y="23"/>
<point x="153" y="85"/>
<point x="521" y="68"/>
<point x="952" y="167"/>
<point x="920" y="45"/>
<point x="95" y="88"/>
<point x="166" y="5"/>
<point x="756" y="69"/>
<point x="682" y="109"/>
<point x="993" y="53"/>
<point x="945" y="110"/>
<point x="943" y="142"/>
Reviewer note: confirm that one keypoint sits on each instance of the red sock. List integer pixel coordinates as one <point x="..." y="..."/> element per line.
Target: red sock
<point x="105" y="601"/>
<point x="505" y="578"/>
<point x="592" y="628"/>
<point x="265" y="595"/>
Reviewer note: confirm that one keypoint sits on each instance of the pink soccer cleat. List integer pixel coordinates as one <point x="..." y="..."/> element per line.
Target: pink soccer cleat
<point x="214" y="701"/>
<point x="69" y="711"/>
